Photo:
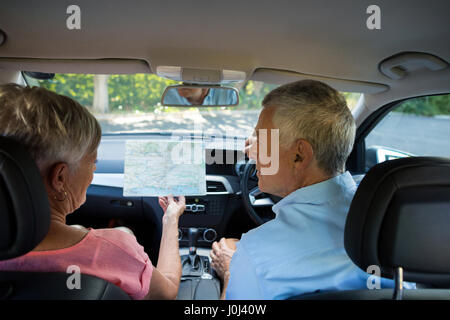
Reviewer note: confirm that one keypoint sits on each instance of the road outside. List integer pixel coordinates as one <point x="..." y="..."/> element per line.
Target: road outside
<point x="229" y="122"/>
<point x="415" y="134"/>
<point x="422" y="136"/>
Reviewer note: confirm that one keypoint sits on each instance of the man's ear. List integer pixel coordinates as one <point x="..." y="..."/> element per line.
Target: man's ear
<point x="303" y="153"/>
<point x="57" y="176"/>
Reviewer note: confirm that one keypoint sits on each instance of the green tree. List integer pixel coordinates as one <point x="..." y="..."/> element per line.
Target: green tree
<point x="143" y="92"/>
<point x="426" y="106"/>
<point x="76" y="86"/>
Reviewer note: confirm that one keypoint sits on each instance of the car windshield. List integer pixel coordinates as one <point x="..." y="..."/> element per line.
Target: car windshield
<point x="130" y="103"/>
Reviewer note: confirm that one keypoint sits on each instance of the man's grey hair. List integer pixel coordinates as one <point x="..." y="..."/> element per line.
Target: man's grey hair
<point x="317" y="113"/>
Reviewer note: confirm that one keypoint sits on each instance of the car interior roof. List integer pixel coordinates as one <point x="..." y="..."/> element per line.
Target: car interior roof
<point x="271" y="41"/>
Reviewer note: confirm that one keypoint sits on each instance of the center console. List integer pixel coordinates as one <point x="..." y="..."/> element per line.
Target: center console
<point x="198" y="280"/>
<point x="202" y="223"/>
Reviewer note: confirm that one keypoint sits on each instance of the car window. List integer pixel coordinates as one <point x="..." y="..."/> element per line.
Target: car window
<point x="415" y="127"/>
<point x="130" y="103"/>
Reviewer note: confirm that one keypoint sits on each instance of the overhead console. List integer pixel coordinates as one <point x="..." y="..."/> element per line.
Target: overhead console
<point x="400" y="65"/>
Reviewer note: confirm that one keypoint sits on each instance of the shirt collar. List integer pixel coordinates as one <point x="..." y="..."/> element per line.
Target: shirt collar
<point x="318" y="193"/>
<point x="208" y="100"/>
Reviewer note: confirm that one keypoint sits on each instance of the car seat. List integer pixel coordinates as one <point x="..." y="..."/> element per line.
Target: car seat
<point x="24" y="222"/>
<point x="399" y="220"/>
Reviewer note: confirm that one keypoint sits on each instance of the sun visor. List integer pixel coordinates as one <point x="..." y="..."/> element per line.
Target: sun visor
<point x="85" y="66"/>
<point x="280" y="77"/>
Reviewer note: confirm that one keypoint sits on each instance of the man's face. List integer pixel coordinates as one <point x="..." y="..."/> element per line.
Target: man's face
<point x="194" y="93"/>
<point x="262" y="147"/>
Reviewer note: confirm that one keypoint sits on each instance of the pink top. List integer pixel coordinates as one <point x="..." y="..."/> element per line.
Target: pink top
<point x="109" y="254"/>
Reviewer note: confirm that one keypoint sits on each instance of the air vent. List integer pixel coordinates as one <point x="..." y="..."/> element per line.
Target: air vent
<point x="215" y="186"/>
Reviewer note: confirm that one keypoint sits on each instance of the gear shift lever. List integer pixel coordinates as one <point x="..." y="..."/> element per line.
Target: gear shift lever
<point x="193" y="236"/>
<point x="194" y="265"/>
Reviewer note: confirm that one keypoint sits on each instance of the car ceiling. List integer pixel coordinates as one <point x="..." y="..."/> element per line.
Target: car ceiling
<point x="317" y="38"/>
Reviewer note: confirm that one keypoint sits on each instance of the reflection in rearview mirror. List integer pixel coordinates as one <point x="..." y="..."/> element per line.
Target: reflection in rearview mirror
<point x="194" y="95"/>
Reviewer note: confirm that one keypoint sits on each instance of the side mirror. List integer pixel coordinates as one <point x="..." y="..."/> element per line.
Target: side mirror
<point x="377" y="154"/>
<point x="200" y="96"/>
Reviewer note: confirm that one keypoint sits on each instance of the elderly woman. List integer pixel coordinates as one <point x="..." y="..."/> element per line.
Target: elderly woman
<point x="63" y="137"/>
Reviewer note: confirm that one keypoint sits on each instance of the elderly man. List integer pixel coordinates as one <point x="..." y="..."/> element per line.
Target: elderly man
<point x="185" y="96"/>
<point x="302" y="249"/>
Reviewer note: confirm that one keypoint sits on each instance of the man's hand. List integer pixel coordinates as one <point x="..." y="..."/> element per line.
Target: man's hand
<point x="221" y="254"/>
<point x="251" y="146"/>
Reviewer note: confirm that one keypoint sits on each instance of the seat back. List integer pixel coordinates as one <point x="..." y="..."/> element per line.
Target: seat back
<point x="377" y="294"/>
<point x="24" y="207"/>
<point x="400" y="217"/>
<point x="24" y="222"/>
<point x="54" y="286"/>
<point x="399" y="220"/>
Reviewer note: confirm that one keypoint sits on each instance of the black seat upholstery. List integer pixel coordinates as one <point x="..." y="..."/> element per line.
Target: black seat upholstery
<point x="24" y="222"/>
<point x="399" y="220"/>
<point x="53" y="286"/>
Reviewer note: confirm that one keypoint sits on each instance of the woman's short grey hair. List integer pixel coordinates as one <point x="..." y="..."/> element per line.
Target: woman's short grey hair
<point x="54" y="128"/>
<point x="317" y="113"/>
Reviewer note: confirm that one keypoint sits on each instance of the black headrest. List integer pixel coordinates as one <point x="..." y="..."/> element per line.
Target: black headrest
<point x="24" y="207"/>
<point x="400" y="217"/>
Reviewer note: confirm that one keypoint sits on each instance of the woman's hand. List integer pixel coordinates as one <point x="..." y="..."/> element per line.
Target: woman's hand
<point x="172" y="208"/>
<point x="167" y="274"/>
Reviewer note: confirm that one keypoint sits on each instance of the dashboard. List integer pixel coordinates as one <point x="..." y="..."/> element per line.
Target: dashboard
<point x="215" y="214"/>
<point x="209" y="213"/>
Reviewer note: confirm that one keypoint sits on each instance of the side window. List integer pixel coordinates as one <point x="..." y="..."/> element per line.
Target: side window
<point x="416" y="127"/>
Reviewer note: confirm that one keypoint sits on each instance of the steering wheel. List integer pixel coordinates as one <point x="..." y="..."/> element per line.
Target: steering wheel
<point x="255" y="201"/>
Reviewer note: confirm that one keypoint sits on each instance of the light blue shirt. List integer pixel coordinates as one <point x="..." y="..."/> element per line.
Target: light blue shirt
<point x="302" y="249"/>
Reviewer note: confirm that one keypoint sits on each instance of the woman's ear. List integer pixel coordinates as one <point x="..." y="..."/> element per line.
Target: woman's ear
<point x="57" y="176"/>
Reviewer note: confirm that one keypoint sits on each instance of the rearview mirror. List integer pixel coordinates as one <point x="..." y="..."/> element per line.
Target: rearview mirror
<point x="196" y="95"/>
